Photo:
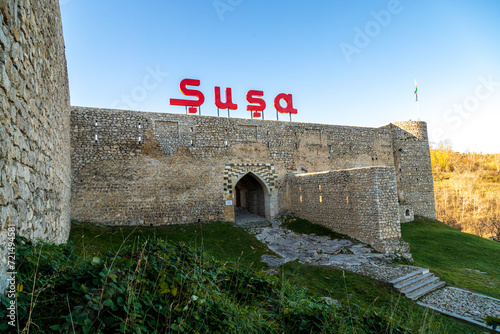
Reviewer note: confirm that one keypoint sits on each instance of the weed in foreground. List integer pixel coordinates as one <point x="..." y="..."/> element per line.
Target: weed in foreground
<point x="149" y="285"/>
<point x="159" y="287"/>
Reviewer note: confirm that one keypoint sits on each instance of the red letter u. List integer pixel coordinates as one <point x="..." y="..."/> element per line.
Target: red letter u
<point x="229" y="100"/>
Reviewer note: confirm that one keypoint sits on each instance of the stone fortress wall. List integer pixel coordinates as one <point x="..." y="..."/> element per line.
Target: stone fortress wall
<point x="359" y="202"/>
<point x="34" y="125"/>
<point x="156" y="168"/>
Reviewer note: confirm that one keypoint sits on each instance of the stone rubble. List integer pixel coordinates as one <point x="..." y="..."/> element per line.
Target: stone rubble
<point x="322" y="251"/>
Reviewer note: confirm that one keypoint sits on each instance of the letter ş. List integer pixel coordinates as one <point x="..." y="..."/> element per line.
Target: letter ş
<point x="253" y="97"/>
<point x="189" y="92"/>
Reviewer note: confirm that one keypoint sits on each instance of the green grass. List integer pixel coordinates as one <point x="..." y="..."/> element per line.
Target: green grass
<point x="225" y="241"/>
<point x="230" y="243"/>
<point x="454" y="256"/>
<point x="354" y="289"/>
<point x="339" y="284"/>
<point x="111" y="279"/>
<point x="146" y="287"/>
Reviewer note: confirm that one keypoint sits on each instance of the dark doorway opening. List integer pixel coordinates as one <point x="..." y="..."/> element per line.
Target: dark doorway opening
<point x="249" y="195"/>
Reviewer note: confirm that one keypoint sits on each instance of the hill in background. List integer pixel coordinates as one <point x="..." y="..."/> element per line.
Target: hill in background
<point x="467" y="190"/>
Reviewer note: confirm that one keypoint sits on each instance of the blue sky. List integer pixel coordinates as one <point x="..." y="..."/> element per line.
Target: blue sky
<point x="344" y="62"/>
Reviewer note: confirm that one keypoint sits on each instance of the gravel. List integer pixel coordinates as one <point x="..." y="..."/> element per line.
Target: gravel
<point x="465" y="304"/>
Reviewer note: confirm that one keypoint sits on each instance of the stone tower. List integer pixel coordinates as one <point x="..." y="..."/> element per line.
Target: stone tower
<point x="35" y="175"/>
<point x="412" y="161"/>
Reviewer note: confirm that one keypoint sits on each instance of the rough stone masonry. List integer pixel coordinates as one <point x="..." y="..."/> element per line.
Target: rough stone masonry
<point x="149" y="168"/>
<point x="34" y="133"/>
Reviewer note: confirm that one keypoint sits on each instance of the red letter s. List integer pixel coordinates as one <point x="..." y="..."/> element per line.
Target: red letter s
<point x="252" y="97"/>
<point x="189" y="92"/>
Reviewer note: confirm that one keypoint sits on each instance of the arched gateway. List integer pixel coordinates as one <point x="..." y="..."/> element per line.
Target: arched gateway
<point x="251" y="194"/>
<point x="251" y="187"/>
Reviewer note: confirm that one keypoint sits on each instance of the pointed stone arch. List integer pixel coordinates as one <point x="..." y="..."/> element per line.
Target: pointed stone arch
<point x="251" y="194"/>
<point x="258" y="178"/>
<point x="263" y="174"/>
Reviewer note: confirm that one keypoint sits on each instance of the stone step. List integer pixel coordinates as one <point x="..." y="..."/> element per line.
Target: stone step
<point x="421" y="285"/>
<point x="406" y="285"/>
<point x="410" y="276"/>
<point x="417" y="283"/>
<point x="425" y="291"/>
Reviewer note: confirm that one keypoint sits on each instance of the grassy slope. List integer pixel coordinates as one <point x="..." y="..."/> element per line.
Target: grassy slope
<point x="223" y="240"/>
<point x="363" y="291"/>
<point x="231" y="243"/>
<point x="452" y="254"/>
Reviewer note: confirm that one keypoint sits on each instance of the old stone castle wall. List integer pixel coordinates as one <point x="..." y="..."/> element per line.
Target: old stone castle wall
<point x="155" y="168"/>
<point x="160" y="168"/>
<point x="360" y="202"/>
<point x="34" y="133"/>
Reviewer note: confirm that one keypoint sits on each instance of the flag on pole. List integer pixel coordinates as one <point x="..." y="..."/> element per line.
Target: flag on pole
<point x="416" y="96"/>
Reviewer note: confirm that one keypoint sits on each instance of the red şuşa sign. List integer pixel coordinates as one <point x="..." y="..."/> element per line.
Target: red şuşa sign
<point x="254" y="97"/>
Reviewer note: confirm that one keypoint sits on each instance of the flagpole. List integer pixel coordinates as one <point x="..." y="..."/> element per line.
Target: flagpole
<point x="416" y="100"/>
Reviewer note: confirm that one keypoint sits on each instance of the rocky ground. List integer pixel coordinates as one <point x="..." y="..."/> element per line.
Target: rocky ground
<point x="320" y="250"/>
